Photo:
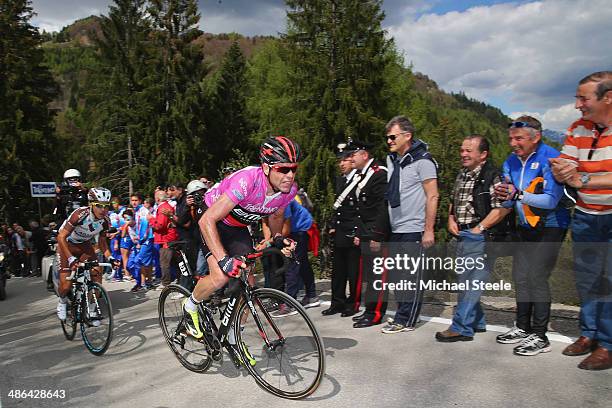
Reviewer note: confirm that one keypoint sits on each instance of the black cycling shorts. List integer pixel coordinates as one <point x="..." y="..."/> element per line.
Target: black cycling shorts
<point x="237" y="241"/>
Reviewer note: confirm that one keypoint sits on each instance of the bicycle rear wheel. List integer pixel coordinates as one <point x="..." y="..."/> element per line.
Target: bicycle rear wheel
<point x="69" y="325"/>
<point x="97" y="319"/>
<point x="293" y="366"/>
<point x="193" y="354"/>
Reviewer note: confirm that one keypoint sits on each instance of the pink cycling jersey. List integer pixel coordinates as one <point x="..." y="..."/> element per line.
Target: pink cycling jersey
<point x="247" y="189"/>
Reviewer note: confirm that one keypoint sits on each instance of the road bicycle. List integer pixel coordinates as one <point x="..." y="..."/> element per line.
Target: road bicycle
<point x="285" y="355"/>
<point x="89" y="306"/>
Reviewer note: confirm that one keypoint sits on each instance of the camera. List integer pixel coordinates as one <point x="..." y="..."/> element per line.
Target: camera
<point x="198" y="199"/>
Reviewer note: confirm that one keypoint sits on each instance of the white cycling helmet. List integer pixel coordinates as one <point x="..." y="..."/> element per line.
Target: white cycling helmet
<point x="71" y="173"/>
<point x="194" y="186"/>
<point x="99" y="195"/>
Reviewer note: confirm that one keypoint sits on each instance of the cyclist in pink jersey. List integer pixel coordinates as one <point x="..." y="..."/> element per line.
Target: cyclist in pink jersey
<point x="243" y="198"/>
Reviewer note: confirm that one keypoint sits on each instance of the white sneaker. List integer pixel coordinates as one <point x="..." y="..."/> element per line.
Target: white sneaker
<point x="93" y="315"/>
<point x="532" y="345"/>
<point x="61" y="310"/>
<point x="512" y="336"/>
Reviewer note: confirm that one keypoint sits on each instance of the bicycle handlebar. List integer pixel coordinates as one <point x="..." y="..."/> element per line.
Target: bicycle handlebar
<point x="250" y="258"/>
<point x="88" y="264"/>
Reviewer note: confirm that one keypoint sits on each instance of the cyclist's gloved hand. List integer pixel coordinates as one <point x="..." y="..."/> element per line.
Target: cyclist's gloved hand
<point x="73" y="262"/>
<point x="231" y="266"/>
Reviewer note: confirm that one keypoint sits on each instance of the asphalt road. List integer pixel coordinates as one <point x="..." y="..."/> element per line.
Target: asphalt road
<point x="364" y="367"/>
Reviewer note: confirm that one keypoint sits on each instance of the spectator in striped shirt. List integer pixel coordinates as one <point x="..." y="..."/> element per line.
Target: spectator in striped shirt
<point x="586" y="164"/>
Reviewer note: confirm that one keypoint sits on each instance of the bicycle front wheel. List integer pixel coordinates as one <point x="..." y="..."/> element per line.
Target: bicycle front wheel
<point x="192" y="354"/>
<point x="97" y="319"/>
<point x="280" y="345"/>
<point x="69" y="325"/>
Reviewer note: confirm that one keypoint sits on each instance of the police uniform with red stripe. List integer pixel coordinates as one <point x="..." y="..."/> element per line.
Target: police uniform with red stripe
<point x="358" y="215"/>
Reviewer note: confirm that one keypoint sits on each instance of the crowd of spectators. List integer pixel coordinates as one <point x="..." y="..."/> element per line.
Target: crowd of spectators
<point x="525" y="204"/>
<point x="523" y="201"/>
<point x="26" y="247"/>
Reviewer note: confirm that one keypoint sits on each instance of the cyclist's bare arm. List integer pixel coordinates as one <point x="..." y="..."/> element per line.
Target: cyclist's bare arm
<point x="208" y="225"/>
<point x="62" y="240"/>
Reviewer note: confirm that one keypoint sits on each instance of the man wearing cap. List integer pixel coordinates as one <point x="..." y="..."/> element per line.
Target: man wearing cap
<point x="530" y="188"/>
<point x="411" y="203"/>
<point x="368" y="187"/>
<point x="586" y="164"/>
<point x="346" y="254"/>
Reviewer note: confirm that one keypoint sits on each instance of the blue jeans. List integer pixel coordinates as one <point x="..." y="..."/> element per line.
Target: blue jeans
<point x="592" y="236"/>
<point x="468" y="313"/>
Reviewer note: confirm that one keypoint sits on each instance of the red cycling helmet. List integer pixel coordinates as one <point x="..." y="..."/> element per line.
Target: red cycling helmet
<point x="279" y="149"/>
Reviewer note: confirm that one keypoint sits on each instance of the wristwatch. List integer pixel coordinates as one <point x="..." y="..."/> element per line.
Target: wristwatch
<point x="481" y="228"/>
<point x="519" y="196"/>
<point x="584" y="179"/>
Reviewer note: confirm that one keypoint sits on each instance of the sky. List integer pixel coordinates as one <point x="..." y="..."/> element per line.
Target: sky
<point x="521" y="56"/>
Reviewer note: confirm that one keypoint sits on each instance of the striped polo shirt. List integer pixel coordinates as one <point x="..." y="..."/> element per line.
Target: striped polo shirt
<point x="582" y="138"/>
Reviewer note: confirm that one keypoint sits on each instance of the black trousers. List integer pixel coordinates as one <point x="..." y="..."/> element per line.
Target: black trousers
<point x="345" y="268"/>
<point x="531" y="267"/>
<point x="375" y="300"/>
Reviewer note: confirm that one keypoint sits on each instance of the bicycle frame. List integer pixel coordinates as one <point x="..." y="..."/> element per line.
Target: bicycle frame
<point x="235" y="332"/>
<point x="80" y="278"/>
<point x="229" y="313"/>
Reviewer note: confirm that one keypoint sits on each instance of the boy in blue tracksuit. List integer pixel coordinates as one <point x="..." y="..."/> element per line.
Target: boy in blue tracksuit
<point x="129" y="246"/>
<point x="144" y="259"/>
<point x="116" y="219"/>
<point x="542" y="223"/>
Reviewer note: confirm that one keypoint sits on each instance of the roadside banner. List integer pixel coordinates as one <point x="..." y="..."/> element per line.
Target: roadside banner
<point x="42" y="188"/>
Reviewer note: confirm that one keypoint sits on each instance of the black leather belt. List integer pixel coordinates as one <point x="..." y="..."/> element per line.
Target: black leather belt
<point x="463" y="227"/>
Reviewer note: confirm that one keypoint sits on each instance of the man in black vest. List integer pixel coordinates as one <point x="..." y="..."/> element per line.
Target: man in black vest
<point x="346" y="254"/>
<point x="473" y="213"/>
<point x="366" y="200"/>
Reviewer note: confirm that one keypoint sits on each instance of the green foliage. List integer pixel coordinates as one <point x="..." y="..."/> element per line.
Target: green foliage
<point x="174" y="131"/>
<point x="336" y="59"/>
<point x="268" y="103"/>
<point x="145" y="79"/>
<point x="227" y="117"/>
<point x="26" y="124"/>
<point x="238" y="159"/>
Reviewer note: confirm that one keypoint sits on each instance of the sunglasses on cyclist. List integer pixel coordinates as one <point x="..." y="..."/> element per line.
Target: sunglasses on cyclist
<point x="100" y="205"/>
<point x="284" y="169"/>
<point x="518" y="125"/>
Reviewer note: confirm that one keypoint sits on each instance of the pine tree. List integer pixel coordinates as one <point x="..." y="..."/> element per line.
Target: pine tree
<point x="26" y="124"/>
<point x="228" y="122"/>
<point x="113" y="107"/>
<point x="175" y="137"/>
<point x="337" y="57"/>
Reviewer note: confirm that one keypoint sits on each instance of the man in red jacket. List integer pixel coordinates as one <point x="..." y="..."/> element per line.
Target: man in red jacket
<point x="164" y="232"/>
